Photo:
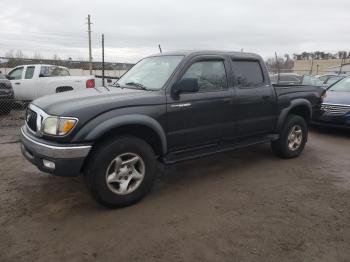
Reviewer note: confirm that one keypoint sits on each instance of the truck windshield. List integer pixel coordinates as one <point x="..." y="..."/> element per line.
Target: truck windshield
<point x="341" y="86"/>
<point x="150" y="73"/>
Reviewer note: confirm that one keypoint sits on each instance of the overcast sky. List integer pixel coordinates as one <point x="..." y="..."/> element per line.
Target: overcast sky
<point x="134" y="28"/>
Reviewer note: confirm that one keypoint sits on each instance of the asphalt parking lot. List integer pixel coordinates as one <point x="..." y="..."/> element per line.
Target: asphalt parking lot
<point x="246" y="205"/>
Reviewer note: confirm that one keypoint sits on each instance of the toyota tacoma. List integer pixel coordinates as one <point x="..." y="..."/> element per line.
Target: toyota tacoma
<point x="168" y="108"/>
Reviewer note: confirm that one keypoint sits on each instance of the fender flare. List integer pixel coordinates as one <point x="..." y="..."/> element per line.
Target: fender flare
<point x="293" y="104"/>
<point x="133" y="119"/>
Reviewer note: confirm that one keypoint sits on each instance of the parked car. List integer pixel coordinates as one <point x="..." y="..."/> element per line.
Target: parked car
<point x="286" y="79"/>
<point x="330" y="81"/>
<point x="311" y="81"/>
<point x="6" y="95"/>
<point x="325" y="77"/>
<point x="168" y="108"/>
<point x="33" y="81"/>
<point x="335" y="109"/>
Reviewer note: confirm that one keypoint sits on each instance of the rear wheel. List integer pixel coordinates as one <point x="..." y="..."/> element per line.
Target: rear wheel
<point x="292" y="139"/>
<point x="121" y="172"/>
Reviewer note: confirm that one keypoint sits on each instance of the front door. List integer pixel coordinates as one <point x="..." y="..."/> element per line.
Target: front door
<point x="16" y="76"/>
<point x="205" y="116"/>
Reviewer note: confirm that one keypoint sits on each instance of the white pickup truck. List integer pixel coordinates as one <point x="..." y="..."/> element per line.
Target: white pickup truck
<point x="32" y="81"/>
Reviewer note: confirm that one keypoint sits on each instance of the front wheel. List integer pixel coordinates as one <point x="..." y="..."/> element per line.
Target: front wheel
<point x="292" y="139"/>
<point x="120" y="172"/>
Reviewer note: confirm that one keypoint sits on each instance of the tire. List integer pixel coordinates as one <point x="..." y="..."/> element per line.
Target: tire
<point x="289" y="146"/>
<point x="110" y="156"/>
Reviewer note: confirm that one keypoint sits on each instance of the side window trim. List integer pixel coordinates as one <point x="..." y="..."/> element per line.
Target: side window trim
<point x="32" y="73"/>
<point x="208" y="59"/>
<point x="233" y="59"/>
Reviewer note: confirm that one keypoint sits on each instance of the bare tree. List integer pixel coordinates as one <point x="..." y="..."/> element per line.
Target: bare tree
<point x="56" y="57"/>
<point x="285" y="63"/>
<point x="37" y="55"/>
<point x="9" y="54"/>
<point x="19" y="54"/>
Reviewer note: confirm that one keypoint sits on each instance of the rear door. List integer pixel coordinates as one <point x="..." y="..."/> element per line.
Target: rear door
<point x="29" y="84"/>
<point x="256" y="99"/>
<point x="205" y="116"/>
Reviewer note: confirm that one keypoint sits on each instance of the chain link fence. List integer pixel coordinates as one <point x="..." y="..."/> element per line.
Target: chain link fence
<point x="12" y="116"/>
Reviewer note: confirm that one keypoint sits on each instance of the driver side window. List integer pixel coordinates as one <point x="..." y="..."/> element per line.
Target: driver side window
<point x="211" y="75"/>
<point x="16" y="74"/>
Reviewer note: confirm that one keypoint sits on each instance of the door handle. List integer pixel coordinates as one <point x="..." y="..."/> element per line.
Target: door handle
<point x="266" y="97"/>
<point x="17" y="83"/>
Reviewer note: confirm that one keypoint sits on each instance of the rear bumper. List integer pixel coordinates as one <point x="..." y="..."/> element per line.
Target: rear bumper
<point x="66" y="160"/>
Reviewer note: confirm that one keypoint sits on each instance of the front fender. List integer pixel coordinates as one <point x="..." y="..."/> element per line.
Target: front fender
<point x="118" y="121"/>
<point x="293" y="104"/>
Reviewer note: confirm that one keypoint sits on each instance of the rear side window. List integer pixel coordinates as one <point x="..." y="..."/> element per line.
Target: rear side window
<point x="247" y="73"/>
<point x="29" y="72"/>
<point x="211" y="75"/>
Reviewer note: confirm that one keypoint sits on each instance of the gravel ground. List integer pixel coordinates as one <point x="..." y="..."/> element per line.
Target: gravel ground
<point x="246" y="205"/>
<point x="9" y="125"/>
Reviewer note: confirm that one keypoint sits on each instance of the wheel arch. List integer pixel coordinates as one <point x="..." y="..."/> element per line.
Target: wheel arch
<point x="300" y="107"/>
<point x="140" y="126"/>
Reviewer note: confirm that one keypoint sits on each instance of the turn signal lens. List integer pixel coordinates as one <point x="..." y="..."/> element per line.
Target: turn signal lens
<point x="65" y="126"/>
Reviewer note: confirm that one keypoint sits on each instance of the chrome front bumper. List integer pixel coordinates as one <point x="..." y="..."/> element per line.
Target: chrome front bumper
<point x="54" y="151"/>
<point x="68" y="159"/>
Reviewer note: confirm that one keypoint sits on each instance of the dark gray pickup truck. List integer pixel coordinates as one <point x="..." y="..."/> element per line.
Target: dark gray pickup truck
<point x="167" y="108"/>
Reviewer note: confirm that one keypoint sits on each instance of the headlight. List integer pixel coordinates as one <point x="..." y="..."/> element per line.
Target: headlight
<point x="58" y="126"/>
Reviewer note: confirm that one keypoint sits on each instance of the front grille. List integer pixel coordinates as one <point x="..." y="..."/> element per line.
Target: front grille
<point x="31" y="119"/>
<point x="335" y="109"/>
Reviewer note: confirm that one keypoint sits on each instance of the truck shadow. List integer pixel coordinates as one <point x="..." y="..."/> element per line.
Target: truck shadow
<point x="213" y="167"/>
<point x="338" y="132"/>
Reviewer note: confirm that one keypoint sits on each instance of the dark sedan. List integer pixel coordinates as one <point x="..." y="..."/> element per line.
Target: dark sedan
<point x="6" y="95"/>
<point x="335" y="109"/>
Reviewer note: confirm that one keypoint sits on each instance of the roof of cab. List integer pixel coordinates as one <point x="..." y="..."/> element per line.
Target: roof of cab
<point x="211" y="52"/>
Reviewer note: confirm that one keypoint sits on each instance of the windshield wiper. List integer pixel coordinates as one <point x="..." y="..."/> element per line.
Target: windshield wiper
<point x="141" y="86"/>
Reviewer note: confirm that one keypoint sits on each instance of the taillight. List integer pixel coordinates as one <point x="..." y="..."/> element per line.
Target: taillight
<point x="90" y="83"/>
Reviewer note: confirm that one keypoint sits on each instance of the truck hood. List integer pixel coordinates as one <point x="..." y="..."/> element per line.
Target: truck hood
<point x="335" y="97"/>
<point x="90" y="102"/>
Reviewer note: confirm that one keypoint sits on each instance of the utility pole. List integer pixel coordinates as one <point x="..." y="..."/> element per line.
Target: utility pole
<point x="278" y="68"/>
<point x="89" y="33"/>
<point x="160" y="49"/>
<point x="103" y="59"/>
<point x="341" y="64"/>
<point x="312" y="65"/>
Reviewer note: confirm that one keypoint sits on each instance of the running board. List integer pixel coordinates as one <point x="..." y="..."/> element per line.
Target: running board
<point x="207" y="150"/>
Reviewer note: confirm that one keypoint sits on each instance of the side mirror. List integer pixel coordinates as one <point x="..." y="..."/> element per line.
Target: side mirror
<point x="9" y="77"/>
<point x="186" y="85"/>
